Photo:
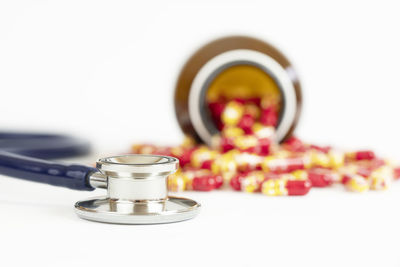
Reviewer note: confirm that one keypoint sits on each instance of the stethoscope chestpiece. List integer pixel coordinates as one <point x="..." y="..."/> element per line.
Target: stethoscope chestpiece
<point x="136" y="192"/>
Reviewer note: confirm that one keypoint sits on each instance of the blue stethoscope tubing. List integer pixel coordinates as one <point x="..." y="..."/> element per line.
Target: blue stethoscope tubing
<point x="26" y="156"/>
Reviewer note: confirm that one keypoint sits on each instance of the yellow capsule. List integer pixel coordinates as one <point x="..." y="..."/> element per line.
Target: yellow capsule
<point x="224" y="163"/>
<point x="232" y="113"/>
<point x="227" y="176"/>
<point x="202" y="154"/>
<point x="253" y="110"/>
<point x="246" y="141"/>
<point x="336" y="159"/>
<point x="262" y="131"/>
<point x="252" y="182"/>
<point x="274" y="187"/>
<point x="300" y="175"/>
<point x="232" y="132"/>
<point x="188" y="142"/>
<point x="319" y="159"/>
<point x="282" y="153"/>
<point x="216" y="141"/>
<point x="348" y="169"/>
<point x="246" y="159"/>
<point x="269" y="100"/>
<point x="381" y="178"/>
<point x="176" y="182"/>
<point x="357" y="183"/>
<point x="266" y="163"/>
<point x="177" y="151"/>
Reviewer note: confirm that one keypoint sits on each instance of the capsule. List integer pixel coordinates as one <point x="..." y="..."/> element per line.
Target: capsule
<point x="201" y="180"/>
<point x="320" y="177"/>
<point x="336" y="159"/>
<point x="201" y="155"/>
<point x="283" y="187"/>
<point x="183" y="154"/>
<point x="253" y="110"/>
<point x="252" y="182"/>
<point x="298" y="187"/>
<point x="318" y="159"/>
<point x="261" y="131"/>
<point x="207" y="182"/>
<point x="246" y="123"/>
<point x="225" y="163"/>
<point x="263" y="147"/>
<point x="323" y="149"/>
<point x="246" y="143"/>
<point x="355" y="182"/>
<point x="294" y="144"/>
<point x="269" y="117"/>
<point x="232" y="113"/>
<point x="236" y="181"/>
<point x="226" y="144"/>
<point x="246" y="162"/>
<point x="361" y="155"/>
<point x="216" y="109"/>
<point x="381" y="178"/>
<point x="396" y="173"/>
<point x="282" y="165"/>
<point x="177" y="182"/>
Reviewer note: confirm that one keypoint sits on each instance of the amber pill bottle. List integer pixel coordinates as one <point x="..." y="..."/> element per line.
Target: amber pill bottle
<point x="235" y="67"/>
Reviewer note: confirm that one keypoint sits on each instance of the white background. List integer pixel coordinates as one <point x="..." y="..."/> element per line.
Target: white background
<point x="105" y="70"/>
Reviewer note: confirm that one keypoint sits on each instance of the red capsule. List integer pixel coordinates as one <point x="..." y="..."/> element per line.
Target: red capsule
<point x="365" y="155"/>
<point x="269" y="117"/>
<point x="285" y="165"/>
<point x="204" y="183"/>
<point x="396" y="173"/>
<point x="246" y="123"/>
<point x="361" y="155"/>
<point x="294" y="144"/>
<point x="263" y="147"/>
<point x="345" y="179"/>
<point x="216" y="109"/>
<point x="254" y="100"/>
<point x="364" y="172"/>
<point x="227" y="144"/>
<point x="323" y="149"/>
<point x="206" y="164"/>
<point x="219" y="181"/>
<point x="183" y="155"/>
<point x="298" y="187"/>
<point x="240" y="100"/>
<point x="236" y="181"/>
<point x="320" y="177"/>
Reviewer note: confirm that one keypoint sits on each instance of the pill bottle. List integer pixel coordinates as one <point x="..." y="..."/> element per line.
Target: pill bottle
<point x="235" y="67"/>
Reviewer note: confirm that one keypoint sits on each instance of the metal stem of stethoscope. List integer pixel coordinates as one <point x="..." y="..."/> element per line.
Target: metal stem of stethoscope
<point x="136" y="184"/>
<point x="136" y="192"/>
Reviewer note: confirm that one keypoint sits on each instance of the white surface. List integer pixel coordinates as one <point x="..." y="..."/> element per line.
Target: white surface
<point x="88" y="68"/>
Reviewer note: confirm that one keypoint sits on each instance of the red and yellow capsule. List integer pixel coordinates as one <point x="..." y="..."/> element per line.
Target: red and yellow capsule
<point x="283" y="187"/>
<point x="320" y="177"/>
<point x="360" y="155"/>
<point x="282" y="165"/>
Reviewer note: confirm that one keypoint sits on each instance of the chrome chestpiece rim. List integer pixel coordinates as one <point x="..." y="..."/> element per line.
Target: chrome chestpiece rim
<point x="136" y="192"/>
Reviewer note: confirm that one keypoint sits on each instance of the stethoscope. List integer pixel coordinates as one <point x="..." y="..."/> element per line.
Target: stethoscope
<point x="136" y="184"/>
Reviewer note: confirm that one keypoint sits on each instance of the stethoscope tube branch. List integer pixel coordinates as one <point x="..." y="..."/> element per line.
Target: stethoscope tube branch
<point x="22" y="156"/>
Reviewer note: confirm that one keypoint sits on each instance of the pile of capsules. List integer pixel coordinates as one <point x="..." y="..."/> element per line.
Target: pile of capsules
<point x="245" y="157"/>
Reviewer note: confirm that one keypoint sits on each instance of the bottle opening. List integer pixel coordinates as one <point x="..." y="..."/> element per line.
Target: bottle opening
<point x="236" y="68"/>
<point x="245" y="83"/>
